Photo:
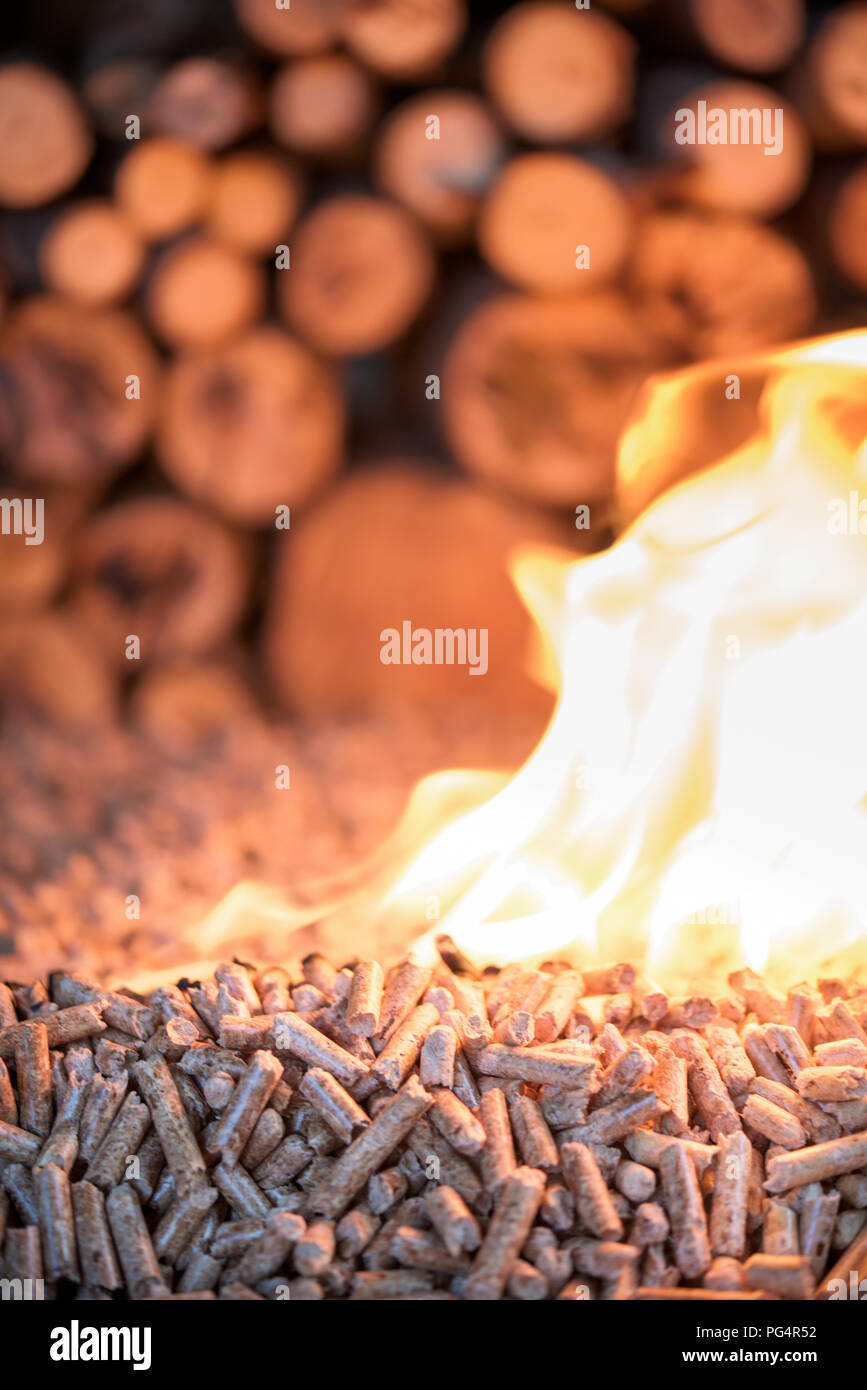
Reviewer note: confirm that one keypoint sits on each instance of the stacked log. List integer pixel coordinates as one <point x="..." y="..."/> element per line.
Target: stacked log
<point x="362" y="273"/>
<point x="251" y="425"/>
<point x="323" y="106"/>
<point x="157" y="572"/>
<point x="79" y="392"/>
<point x="43" y="134"/>
<point x="713" y="283"/>
<point x="554" y="223"/>
<point x="236" y="272"/>
<point x="536" y="391"/>
<point x="390" y="547"/>
<point x="162" y="186"/>
<point x="92" y="254"/>
<point x="737" y="175"/>
<point x="557" y="75"/>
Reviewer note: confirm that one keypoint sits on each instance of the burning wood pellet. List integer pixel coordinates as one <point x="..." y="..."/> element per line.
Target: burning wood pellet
<point x="182" y="1153"/>
<point x="437" y="1057"/>
<point x="498" y="1154"/>
<point x="457" y="1124"/>
<point x="713" y="1103"/>
<point x="180" y="1221"/>
<point x="788" y="1276"/>
<point x="54" y="1210"/>
<point x="365" y="999"/>
<point x="33" y="1068"/>
<point x="401" y="1051"/>
<point x="670" y="1084"/>
<point x="511" y="1221"/>
<point x="535" y="1140"/>
<point x="122" y="1138"/>
<point x="23" y="1253"/>
<point x="625" y="1116"/>
<point x="593" y="1201"/>
<point x="773" y="1122"/>
<point x="247" y="1102"/>
<point x="851" y="1266"/>
<point x="728" y="1218"/>
<point x="298" y="1037"/>
<point x="282" y="1161"/>
<point x="452" y="1219"/>
<point x="8" y="1101"/>
<point x="817" y="1163"/>
<point x="686" y="1212"/>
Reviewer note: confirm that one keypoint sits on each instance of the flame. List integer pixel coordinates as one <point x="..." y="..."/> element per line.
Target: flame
<point x="698" y="799"/>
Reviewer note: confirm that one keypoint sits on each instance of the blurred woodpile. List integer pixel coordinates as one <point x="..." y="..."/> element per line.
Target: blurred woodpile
<point x="297" y="341"/>
<point x="252" y="272"/>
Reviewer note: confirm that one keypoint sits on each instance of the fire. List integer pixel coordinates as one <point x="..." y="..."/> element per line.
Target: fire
<point x="698" y="798"/>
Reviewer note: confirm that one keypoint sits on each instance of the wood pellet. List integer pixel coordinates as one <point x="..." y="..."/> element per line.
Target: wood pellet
<point x="312" y="1135"/>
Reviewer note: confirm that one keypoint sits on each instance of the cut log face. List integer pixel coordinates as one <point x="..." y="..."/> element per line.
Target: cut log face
<point x="557" y="74"/>
<point x="45" y="143"/>
<point x="116" y="89"/>
<point x="92" y="254"/>
<point x="715" y="284"/>
<point x="833" y="85"/>
<point x="205" y="101"/>
<point x="159" y="570"/>
<point x="536" y="390"/>
<point x="556" y="224"/>
<point x="727" y="167"/>
<point x="847" y="227"/>
<point x="751" y="37"/>
<point x="438" y="155"/>
<point x="322" y="106"/>
<point x="392" y="546"/>
<point x="251" y="426"/>
<point x="78" y="393"/>
<point x="361" y="271"/>
<point x="203" y="292"/>
<point x="30" y="574"/>
<point x="162" y="186"/>
<point x="402" y="41"/>
<point x="305" y="26"/>
<point x="50" y="667"/>
<point x="254" y="200"/>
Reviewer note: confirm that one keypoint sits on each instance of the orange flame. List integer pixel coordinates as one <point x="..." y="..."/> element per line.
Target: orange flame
<point x="698" y="799"/>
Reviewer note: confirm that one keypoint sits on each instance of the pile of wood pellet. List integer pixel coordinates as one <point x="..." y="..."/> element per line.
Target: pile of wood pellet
<point x="435" y="1132"/>
<point x="182" y="806"/>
